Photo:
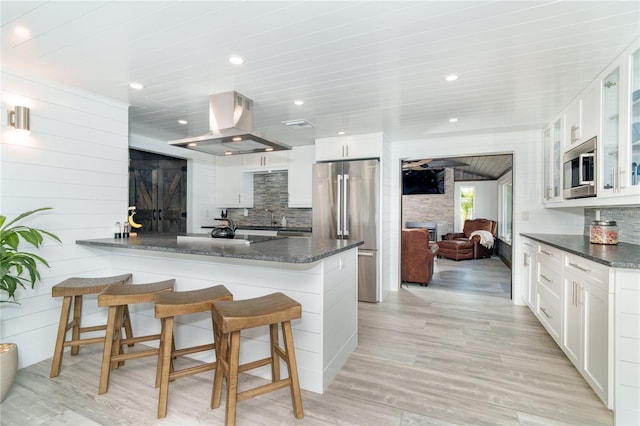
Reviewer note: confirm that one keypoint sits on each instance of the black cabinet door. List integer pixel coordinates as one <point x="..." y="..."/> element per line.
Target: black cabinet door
<point x="158" y="189"/>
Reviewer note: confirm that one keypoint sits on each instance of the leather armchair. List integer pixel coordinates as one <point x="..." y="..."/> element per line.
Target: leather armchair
<point x="416" y="256"/>
<point x="479" y="250"/>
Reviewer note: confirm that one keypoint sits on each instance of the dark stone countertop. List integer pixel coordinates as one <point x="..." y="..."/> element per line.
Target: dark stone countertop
<point x="285" y="250"/>
<point x="267" y="228"/>
<point x="622" y="255"/>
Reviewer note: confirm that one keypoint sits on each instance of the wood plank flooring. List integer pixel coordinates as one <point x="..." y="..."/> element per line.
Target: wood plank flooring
<point x="455" y="352"/>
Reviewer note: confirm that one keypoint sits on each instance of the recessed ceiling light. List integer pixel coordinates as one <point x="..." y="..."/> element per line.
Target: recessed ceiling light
<point x="299" y="102"/>
<point x="22" y="31"/>
<point x="236" y="138"/>
<point x="228" y="153"/>
<point x="192" y="144"/>
<point x="236" y="60"/>
<point x="453" y="120"/>
<point x="341" y="132"/>
<point x="268" y="149"/>
<point x="136" y="86"/>
<point x="182" y="121"/>
<point x="451" y="77"/>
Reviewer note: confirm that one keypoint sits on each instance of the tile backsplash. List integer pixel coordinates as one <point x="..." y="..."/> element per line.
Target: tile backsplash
<point x="270" y="199"/>
<point x="627" y="219"/>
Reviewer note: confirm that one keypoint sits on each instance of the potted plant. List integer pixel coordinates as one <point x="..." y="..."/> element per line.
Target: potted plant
<point x="17" y="268"/>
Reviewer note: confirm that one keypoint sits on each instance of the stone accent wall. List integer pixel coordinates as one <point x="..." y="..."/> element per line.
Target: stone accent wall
<point x="271" y="194"/>
<point x="437" y="208"/>
<point x="627" y="219"/>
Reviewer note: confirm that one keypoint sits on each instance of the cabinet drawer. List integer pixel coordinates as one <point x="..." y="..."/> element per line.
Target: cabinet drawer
<point x="549" y="275"/>
<point x="548" y="312"/>
<point x="597" y="274"/>
<point x="550" y="253"/>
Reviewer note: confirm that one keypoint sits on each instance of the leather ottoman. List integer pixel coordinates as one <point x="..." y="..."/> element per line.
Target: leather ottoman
<point x="455" y="249"/>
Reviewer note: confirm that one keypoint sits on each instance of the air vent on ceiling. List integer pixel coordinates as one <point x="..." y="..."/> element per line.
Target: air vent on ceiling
<point x="298" y="124"/>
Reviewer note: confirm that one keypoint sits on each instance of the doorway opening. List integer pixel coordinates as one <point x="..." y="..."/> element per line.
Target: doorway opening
<point x="474" y="187"/>
<point x="158" y="190"/>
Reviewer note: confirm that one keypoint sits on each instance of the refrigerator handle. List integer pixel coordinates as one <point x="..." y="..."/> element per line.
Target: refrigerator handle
<point x="339" y="207"/>
<point x="345" y="206"/>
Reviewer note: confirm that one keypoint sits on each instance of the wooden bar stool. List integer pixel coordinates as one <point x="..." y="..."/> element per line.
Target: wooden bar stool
<point x="72" y="290"/>
<point x="230" y="317"/>
<point x="117" y="298"/>
<point x="168" y="306"/>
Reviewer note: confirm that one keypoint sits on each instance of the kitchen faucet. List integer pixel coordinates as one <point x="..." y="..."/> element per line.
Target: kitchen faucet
<point x="268" y="210"/>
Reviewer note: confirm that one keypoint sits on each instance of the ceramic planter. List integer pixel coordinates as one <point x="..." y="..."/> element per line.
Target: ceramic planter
<point x="8" y="367"/>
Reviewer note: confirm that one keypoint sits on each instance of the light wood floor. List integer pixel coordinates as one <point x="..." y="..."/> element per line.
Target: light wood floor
<point x="426" y="356"/>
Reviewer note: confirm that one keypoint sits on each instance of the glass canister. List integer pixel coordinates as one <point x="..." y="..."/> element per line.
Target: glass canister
<point x="604" y="232"/>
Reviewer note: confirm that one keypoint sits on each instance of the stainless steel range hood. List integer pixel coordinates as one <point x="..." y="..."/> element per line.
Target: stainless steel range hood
<point x="231" y="129"/>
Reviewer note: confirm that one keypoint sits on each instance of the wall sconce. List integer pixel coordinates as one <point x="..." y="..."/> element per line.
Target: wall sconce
<point x="19" y="119"/>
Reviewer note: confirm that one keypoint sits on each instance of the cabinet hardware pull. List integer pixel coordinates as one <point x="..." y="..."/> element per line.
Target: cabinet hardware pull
<point x="528" y="245"/>
<point x="154" y="214"/>
<point x="546" y="279"/>
<point x="526" y="260"/>
<point x="342" y="151"/>
<point x="347" y="150"/>
<point x="159" y="213"/>
<point x="545" y="312"/>
<point x="546" y="252"/>
<point x="365" y="254"/>
<point x="575" y="265"/>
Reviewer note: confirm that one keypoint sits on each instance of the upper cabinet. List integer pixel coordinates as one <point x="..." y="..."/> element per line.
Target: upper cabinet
<point x="265" y="161"/>
<point x="552" y="149"/>
<point x="300" y="176"/>
<point x="620" y="127"/>
<point x="353" y="147"/>
<point x="234" y="188"/>
<point x="581" y="117"/>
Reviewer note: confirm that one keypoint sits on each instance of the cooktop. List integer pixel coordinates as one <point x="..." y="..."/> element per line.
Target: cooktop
<point x="237" y="240"/>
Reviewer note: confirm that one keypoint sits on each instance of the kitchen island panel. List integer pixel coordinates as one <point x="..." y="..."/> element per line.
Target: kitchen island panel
<point x="324" y="337"/>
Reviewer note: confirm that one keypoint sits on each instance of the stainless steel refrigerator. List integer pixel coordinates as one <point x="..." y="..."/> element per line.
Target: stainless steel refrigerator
<point x="346" y="205"/>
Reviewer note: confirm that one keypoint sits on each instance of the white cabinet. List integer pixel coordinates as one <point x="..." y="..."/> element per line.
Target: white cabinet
<point x="528" y="273"/>
<point x="585" y="336"/>
<point x="548" y="307"/>
<point x="265" y="161"/>
<point x="367" y="145"/>
<point x="234" y="188"/>
<point x="581" y="116"/>
<point x="552" y="147"/>
<point x="300" y="176"/>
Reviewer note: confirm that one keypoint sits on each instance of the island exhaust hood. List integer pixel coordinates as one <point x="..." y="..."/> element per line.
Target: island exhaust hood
<point x="231" y="127"/>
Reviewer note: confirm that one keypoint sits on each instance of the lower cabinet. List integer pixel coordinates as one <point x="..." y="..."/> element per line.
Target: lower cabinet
<point x="574" y="302"/>
<point x="585" y="336"/>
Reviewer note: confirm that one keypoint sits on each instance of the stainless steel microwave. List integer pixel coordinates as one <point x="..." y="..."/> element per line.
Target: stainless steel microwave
<point x="580" y="171"/>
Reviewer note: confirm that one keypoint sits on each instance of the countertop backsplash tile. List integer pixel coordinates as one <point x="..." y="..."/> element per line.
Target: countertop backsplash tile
<point x="270" y="194"/>
<point x="627" y="219"/>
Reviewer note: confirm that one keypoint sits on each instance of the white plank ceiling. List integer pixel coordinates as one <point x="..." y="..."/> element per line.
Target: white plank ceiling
<point x="359" y="66"/>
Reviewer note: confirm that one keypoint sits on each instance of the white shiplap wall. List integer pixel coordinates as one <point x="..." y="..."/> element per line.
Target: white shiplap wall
<point x="76" y="161"/>
<point x="529" y="214"/>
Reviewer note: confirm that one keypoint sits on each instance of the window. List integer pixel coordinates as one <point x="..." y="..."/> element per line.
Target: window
<point x="505" y="208"/>
<point x="466" y="203"/>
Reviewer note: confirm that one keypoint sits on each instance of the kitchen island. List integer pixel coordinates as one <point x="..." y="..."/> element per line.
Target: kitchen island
<point x="320" y="274"/>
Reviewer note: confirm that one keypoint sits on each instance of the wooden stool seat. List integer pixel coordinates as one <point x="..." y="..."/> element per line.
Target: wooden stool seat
<point x="168" y="306"/>
<point x="72" y="290"/>
<point x="230" y="317"/>
<point x="117" y="298"/>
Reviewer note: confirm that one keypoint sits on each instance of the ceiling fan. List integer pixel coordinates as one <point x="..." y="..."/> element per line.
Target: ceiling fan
<point x="433" y="164"/>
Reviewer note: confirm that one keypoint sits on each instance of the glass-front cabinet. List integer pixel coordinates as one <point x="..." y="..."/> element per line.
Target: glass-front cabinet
<point x="620" y="128"/>
<point x="633" y="141"/>
<point x="610" y="130"/>
<point x="552" y="147"/>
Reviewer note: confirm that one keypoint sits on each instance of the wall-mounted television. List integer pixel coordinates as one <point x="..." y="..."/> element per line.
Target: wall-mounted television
<point x="427" y="181"/>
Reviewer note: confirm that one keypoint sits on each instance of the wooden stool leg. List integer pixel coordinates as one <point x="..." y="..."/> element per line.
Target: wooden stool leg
<point x="232" y="378"/>
<point x="164" y="363"/>
<point x="222" y="349"/>
<point x="127" y="324"/>
<point x="117" y="337"/>
<point x="296" y="398"/>
<point x="77" y="316"/>
<point x="62" y="332"/>
<point x="108" y="348"/>
<point x="275" y="358"/>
